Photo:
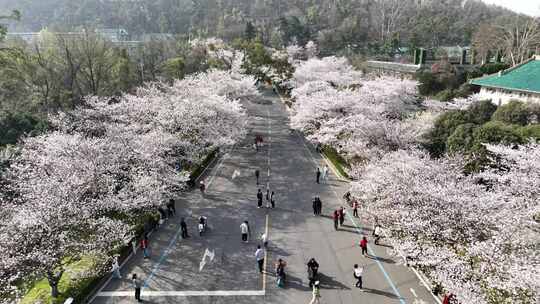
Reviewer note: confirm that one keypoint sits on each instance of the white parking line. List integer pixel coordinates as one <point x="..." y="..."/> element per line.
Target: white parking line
<point x="202" y="293"/>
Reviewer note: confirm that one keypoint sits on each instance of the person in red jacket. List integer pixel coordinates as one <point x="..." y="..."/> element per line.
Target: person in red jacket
<point x="336" y="219"/>
<point x="363" y="245"/>
<point x="448" y="298"/>
<point x="144" y="246"/>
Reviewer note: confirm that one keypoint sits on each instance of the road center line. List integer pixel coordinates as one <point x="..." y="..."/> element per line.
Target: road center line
<point x="179" y="231"/>
<point x="358" y="230"/>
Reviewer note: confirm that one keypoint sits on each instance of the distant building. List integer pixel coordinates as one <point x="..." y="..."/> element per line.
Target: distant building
<point x="149" y="37"/>
<point x="521" y="82"/>
<point x="113" y="34"/>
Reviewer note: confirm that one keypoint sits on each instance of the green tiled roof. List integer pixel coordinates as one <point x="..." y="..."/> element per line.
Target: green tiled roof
<point x="524" y="78"/>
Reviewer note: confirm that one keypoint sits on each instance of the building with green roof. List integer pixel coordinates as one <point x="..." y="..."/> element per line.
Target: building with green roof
<point x="521" y="82"/>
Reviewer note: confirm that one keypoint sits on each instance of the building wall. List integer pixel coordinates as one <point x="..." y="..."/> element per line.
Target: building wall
<point x="501" y="97"/>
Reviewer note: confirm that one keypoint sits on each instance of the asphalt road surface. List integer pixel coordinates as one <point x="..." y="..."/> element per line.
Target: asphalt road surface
<point x="219" y="268"/>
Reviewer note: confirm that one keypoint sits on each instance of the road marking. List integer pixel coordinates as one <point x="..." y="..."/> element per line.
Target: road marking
<point x="265" y="251"/>
<point x="202" y="293"/>
<point x="130" y="256"/>
<point x="210" y="255"/>
<point x="179" y="231"/>
<point x="414" y="293"/>
<point x="358" y="230"/>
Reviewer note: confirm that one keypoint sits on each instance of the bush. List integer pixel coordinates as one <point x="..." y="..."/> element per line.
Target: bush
<point x="495" y="132"/>
<point x="514" y="112"/>
<point x="462" y="140"/>
<point x="446" y="95"/>
<point x="443" y="127"/>
<point x="337" y="160"/>
<point x="481" y="111"/>
<point x="528" y="132"/>
<point x="492" y="68"/>
<point x="428" y="84"/>
<point x="15" y="125"/>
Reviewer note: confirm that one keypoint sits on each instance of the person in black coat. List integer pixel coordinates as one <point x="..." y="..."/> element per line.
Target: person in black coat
<point x="259" y="198"/>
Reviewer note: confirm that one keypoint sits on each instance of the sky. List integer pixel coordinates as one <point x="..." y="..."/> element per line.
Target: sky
<point x="529" y="7"/>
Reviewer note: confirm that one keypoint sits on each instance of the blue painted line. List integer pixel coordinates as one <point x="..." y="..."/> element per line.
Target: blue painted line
<point x="372" y="253"/>
<point x="162" y="258"/>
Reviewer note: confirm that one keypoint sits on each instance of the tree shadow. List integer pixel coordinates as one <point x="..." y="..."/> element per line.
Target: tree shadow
<point x="385" y="260"/>
<point x="328" y="282"/>
<point x="381" y="293"/>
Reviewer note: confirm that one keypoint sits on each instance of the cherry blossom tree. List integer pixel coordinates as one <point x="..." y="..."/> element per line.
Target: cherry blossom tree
<point x="109" y="158"/>
<point x="477" y="234"/>
<point x="334" y="70"/>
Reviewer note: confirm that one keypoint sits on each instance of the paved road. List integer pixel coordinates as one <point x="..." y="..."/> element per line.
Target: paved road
<point x="175" y="273"/>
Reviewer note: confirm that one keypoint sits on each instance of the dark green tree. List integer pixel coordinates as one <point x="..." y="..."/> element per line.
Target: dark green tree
<point x="250" y="32"/>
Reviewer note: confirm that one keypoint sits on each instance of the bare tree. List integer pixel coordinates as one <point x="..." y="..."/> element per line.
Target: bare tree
<point x="519" y="38"/>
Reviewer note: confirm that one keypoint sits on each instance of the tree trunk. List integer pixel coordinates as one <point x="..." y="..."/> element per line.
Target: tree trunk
<point x="54" y="279"/>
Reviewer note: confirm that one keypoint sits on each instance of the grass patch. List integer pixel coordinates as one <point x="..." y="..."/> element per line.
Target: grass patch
<point x="200" y="168"/>
<point x="74" y="283"/>
<point x="337" y="160"/>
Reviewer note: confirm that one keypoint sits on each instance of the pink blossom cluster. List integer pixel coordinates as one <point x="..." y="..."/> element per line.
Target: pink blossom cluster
<point x="478" y="235"/>
<point x="68" y="191"/>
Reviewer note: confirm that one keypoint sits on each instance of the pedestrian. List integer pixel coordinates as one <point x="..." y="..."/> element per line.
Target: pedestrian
<point x="341" y="216"/>
<point x="116" y="268"/>
<point x="336" y="219"/>
<point x="235" y="174"/>
<point x="259" y="198"/>
<point x="256" y="144"/>
<point x="267" y="198"/>
<point x="264" y="240"/>
<point x="355" y="208"/>
<point x="183" y="226"/>
<point x="316" y="293"/>
<point x="448" y="298"/>
<point x="315" y="206"/>
<point x="144" y="247"/>
<point x="357" y="272"/>
<point x="318" y="174"/>
<point x="325" y="173"/>
<point x="244" y="229"/>
<point x="280" y="272"/>
<point x="319" y="206"/>
<point x="137" y="286"/>
<point x="259" y="255"/>
<point x="377" y="232"/>
<point x="249" y="230"/>
<point x="171" y="207"/>
<point x="363" y="245"/>
<point x="134" y="246"/>
<point x="162" y="215"/>
<point x="257" y="173"/>
<point x="272" y="202"/>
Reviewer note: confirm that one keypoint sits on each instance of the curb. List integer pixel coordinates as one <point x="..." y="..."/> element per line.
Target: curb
<point x="106" y="279"/>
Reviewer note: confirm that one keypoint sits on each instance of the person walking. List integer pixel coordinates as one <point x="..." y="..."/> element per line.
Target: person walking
<point x="318" y="174"/>
<point x="319" y="206"/>
<point x="357" y="272"/>
<point x="316" y="292"/>
<point x="355" y="208"/>
<point x="272" y="202"/>
<point x="137" y="286"/>
<point x="183" y="226"/>
<point x="315" y="206"/>
<point x="341" y="216"/>
<point x="264" y="240"/>
<point x="256" y="144"/>
<point x="336" y="219"/>
<point x="259" y="255"/>
<point x="257" y="174"/>
<point x="244" y="229"/>
<point x="377" y="232"/>
<point x="259" y="198"/>
<point x="144" y="247"/>
<point x="116" y="268"/>
<point x="363" y="245"/>
<point x="325" y="173"/>
<point x="267" y="198"/>
<point x="171" y="208"/>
